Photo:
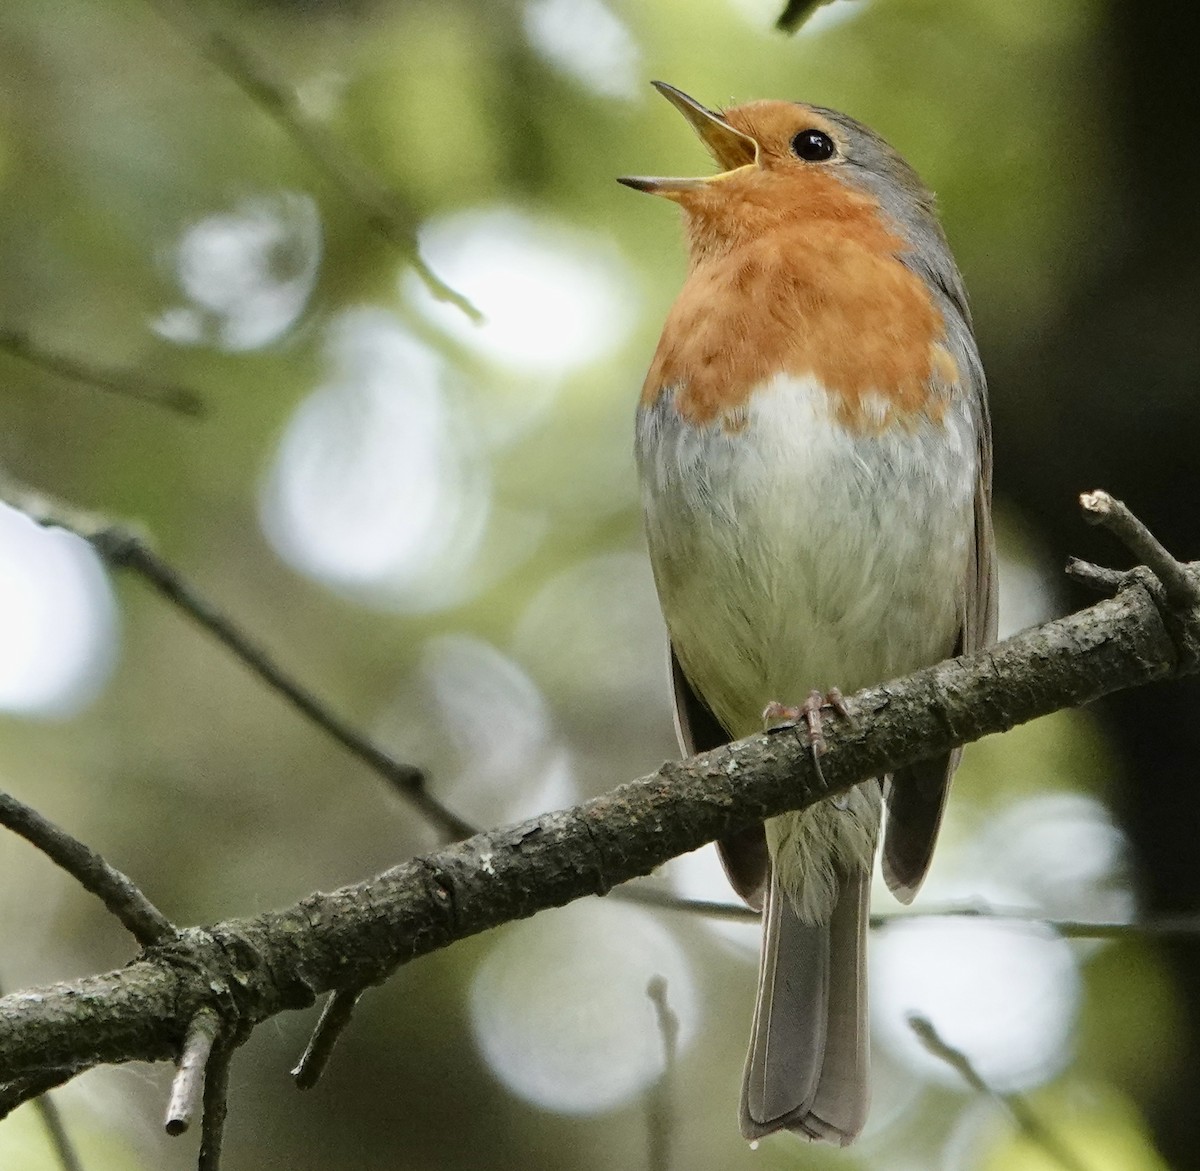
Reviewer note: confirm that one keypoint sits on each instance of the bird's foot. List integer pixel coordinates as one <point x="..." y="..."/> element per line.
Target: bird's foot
<point x="778" y="717"/>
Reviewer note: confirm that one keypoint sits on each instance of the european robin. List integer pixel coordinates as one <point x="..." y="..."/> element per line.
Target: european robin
<point x="814" y="449"/>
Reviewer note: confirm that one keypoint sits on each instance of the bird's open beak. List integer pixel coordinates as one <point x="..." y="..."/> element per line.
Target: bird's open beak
<point x="732" y="149"/>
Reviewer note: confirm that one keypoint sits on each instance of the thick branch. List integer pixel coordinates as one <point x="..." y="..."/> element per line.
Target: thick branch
<point x="250" y="969"/>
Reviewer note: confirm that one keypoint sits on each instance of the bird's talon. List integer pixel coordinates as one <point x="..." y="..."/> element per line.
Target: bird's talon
<point x="778" y="717"/>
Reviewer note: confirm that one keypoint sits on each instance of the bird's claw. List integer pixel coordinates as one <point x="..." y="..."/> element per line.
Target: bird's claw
<point x="778" y="717"/>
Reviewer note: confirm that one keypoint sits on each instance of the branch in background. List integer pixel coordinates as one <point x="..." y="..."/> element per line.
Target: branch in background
<point x="126" y="383"/>
<point x="796" y="13"/>
<point x="251" y="969"/>
<point x="383" y="207"/>
<point x="1017" y="1107"/>
<point x="1154" y="926"/>
<point x="660" y="1106"/>
<point x="122" y="548"/>
<point x="64" y="1149"/>
<point x="138" y="915"/>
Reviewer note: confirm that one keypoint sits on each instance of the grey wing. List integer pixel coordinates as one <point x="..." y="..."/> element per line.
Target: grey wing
<point x="916" y="795"/>
<point x="743" y="854"/>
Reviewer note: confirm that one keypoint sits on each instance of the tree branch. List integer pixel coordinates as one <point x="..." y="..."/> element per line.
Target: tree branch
<point x="1018" y="1108"/>
<point x="137" y="914"/>
<point x="120" y="546"/>
<point x="250" y="969"/>
<point x="125" y="383"/>
<point x="383" y="208"/>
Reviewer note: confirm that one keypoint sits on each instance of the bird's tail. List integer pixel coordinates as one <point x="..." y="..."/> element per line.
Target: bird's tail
<point x="807" y="1070"/>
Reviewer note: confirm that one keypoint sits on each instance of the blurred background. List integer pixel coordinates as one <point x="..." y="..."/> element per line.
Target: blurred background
<point x="435" y="525"/>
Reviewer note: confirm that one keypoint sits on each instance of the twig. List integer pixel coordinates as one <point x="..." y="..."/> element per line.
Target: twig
<point x="59" y="1139"/>
<point x="122" y="548"/>
<point x="1095" y="577"/>
<point x="1157" y="926"/>
<point x="335" y="1016"/>
<point x="126" y="383"/>
<point x="1018" y="1108"/>
<point x="216" y="1106"/>
<point x="796" y="13"/>
<point x="189" y="1077"/>
<point x="651" y="896"/>
<point x="381" y="205"/>
<point x="140" y="917"/>
<point x="1099" y="508"/>
<point x="660" y="1103"/>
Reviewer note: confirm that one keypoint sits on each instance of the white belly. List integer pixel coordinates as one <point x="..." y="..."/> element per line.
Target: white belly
<point x="793" y="554"/>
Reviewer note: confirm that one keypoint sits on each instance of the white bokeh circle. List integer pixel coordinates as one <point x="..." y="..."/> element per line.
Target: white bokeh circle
<point x="1003" y="992"/>
<point x="553" y="297"/>
<point x="58" y="619"/>
<point x="560" y="1010"/>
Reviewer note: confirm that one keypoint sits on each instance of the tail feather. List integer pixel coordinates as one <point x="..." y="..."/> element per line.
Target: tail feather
<point x="808" y="1065"/>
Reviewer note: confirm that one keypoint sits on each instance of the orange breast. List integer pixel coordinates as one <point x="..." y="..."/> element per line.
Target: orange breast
<point x="821" y="293"/>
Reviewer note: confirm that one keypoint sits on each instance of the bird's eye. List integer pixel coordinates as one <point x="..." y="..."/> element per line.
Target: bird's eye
<point x="813" y="146"/>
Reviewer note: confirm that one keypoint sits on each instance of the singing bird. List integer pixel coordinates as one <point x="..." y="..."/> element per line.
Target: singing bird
<point x="814" y="450"/>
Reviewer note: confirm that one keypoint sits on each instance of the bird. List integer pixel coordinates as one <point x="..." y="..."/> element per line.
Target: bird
<point x="814" y="452"/>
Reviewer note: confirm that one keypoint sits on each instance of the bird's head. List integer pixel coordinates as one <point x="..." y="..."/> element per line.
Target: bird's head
<point x="786" y="162"/>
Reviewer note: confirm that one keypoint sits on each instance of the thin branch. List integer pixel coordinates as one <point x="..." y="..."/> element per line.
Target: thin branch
<point x="383" y="207"/>
<point x="796" y="13"/>
<point x="1155" y="926"/>
<point x="1097" y="578"/>
<point x="1099" y="508"/>
<point x="335" y="1016"/>
<point x="122" y="548"/>
<point x="188" y="1082"/>
<point x="126" y="383"/>
<point x="216" y="1106"/>
<point x="660" y="1106"/>
<point x="1017" y="1107"/>
<point x="64" y="1149"/>
<point x="124" y="899"/>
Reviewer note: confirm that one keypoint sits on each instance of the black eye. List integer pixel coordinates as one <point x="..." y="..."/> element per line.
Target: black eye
<point x="813" y="146"/>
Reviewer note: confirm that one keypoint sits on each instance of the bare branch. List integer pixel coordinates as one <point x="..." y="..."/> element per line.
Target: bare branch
<point x="140" y="917"/>
<point x="796" y="13"/>
<point x="660" y="1107"/>
<point x="383" y="207"/>
<point x="216" y="1106"/>
<point x="1154" y="926"/>
<point x="1095" y="577"/>
<point x="251" y="969"/>
<point x="1099" y="508"/>
<point x="121" y="547"/>
<point x="126" y="383"/>
<point x="64" y="1149"/>
<point x="335" y="1016"/>
<point x="188" y="1082"/>
<point x="1021" y="1112"/>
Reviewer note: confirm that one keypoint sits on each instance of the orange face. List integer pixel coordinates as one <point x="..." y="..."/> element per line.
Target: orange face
<point x="795" y="272"/>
